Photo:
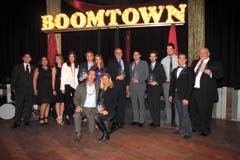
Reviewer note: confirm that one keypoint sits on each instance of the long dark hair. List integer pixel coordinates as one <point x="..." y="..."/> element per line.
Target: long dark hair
<point x="75" y="61"/>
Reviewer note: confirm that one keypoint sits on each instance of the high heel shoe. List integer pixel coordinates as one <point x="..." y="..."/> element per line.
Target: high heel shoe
<point x="45" y="120"/>
<point x="41" y="121"/>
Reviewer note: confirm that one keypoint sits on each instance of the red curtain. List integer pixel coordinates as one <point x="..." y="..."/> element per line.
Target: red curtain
<point x="128" y="45"/>
<point x="52" y="48"/>
<point x="172" y="38"/>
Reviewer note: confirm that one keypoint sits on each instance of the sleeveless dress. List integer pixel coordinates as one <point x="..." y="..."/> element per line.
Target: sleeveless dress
<point x="44" y="86"/>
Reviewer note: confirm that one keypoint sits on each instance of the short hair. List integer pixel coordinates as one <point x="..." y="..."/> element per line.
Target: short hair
<point x="154" y="52"/>
<point x="171" y="44"/>
<point x="179" y="54"/>
<point x="91" y="52"/>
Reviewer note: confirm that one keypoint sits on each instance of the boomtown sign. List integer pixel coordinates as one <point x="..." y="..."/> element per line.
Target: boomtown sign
<point x="115" y="18"/>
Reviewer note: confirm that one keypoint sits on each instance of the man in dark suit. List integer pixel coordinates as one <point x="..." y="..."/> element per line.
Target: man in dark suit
<point x="207" y="72"/>
<point x="180" y="90"/>
<point x="118" y="68"/>
<point x="154" y="88"/>
<point x="22" y="87"/>
<point x="84" y="67"/>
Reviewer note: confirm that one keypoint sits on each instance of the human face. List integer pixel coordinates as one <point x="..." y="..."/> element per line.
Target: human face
<point x="91" y="76"/>
<point x="182" y="60"/>
<point x="44" y="61"/>
<point x="204" y="53"/>
<point x="89" y="57"/>
<point x="98" y="60"/>
<point x="27" y="58"/>
<point x="136" y="56"/>
<point x="118" y="53"/>
<point x="58" y="60"/>
<point x="71" y="58"/>
<point x="153" y="57"/>
<point x="170" y="50"/>
<point x="105" y="80"/>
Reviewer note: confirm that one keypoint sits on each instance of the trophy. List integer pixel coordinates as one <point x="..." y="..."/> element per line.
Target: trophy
<point x="151" y="78"/>
<point x="83" y="73"/>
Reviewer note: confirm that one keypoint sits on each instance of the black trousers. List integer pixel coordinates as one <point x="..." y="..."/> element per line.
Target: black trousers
<point x="201" y="112"/>
<point x="69" y="105"/>
<point x="121" y="103"/>
<point x="153" y="98"/>
<point x="24" y="104"/>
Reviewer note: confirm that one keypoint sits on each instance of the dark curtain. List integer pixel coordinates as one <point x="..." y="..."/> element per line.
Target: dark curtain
<point x="20" y="33"/>
<point x="142" y="39"/>
<point x="223" y="38"/>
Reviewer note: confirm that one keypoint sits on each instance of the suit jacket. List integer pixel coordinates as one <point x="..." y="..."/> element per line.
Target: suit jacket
<point x="113" y="70"/>
<point x="83" y="66"/>
<point x="20" y="80"/>
<point x="182" y="85"/>
<point x="142" y="73"/>
<point x="208" y="85"/>
<point x="158" y="74"/>
<point x="81" y="94"/>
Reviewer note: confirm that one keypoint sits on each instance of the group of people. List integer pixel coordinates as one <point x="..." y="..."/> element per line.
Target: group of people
<point x="98" y="93"/>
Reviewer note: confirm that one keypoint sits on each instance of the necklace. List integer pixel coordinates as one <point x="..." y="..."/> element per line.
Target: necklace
<point x="90" y="89"/>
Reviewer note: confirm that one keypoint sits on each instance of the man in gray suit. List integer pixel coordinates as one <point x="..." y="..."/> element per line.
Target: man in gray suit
<point x="138" y="76"/>
<point x="85" y="100"/>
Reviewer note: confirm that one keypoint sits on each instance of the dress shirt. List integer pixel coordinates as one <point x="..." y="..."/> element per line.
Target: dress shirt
<point x="198" y="76"/>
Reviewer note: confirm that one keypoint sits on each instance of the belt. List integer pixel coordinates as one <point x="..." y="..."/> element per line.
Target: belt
<point x="167" y="82"/>
<point x="91" y="108"/>
<point x="196" y="89"/>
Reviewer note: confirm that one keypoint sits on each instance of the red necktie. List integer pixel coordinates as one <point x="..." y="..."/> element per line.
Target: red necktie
<point x="199" y="67"/>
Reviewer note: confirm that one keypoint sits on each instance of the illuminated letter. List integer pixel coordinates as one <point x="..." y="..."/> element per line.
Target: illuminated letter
<point x="146" y="16"/>
<point x="47" y="22"/>
<point x="113" y="16"/>
<point x="126" y="18"/>
<point x="172" y="11"/>
<point x="95" y="20"/>
<point x="74" y="20"/>
<point x="61" y="18"/>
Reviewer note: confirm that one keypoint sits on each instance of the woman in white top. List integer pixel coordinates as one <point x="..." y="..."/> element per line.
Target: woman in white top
<point x="69" y="83"/>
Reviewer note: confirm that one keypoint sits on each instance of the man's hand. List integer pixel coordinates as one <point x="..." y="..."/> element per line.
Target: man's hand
<point x="170" y="99"/>
<point x="78" y="109"/>
<point x="185" y="102"/>
<point x="207" y="71"/>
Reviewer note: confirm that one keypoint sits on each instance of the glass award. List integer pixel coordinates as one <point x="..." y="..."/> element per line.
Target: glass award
<point x="83" y="73"/>
<point x="151" y="77"/>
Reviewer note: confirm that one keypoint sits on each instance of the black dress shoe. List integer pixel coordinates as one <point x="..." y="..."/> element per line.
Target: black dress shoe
<point x="186" y="136"/>
<point x="15" y="125"/>
<point x="27" y="124"/>
<point x="134" y="123"/>
<point x="204" y="134"/>
<point x="153" y="125"/>
<point x="140" y="124"/>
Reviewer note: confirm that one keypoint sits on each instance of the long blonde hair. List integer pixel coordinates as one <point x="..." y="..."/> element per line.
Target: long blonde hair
<point x="110" y="80"/>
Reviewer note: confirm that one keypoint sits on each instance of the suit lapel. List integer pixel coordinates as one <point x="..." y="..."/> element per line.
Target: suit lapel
<point x="182" y="71"/>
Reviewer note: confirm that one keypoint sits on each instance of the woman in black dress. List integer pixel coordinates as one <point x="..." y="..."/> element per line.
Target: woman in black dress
<point x="106" y="105"/>
<point x="42" y="85"/>
<point x="58" y="95"/>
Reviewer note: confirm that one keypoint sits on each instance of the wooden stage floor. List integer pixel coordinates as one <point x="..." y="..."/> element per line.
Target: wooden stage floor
<point x="55" y="142"/>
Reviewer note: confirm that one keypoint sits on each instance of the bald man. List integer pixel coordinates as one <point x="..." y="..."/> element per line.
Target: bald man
<point x="207" y="72"/>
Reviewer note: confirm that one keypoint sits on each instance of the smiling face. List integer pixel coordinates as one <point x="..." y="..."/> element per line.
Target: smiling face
<point x="182" y="59"/>
<point x="118" y="53"/>
<point x="91" y="75"/>
<point x="204" y="53"/>
<point x="136" y="56"/>
<point x="153" y="57"/>
<point x="27" y="58"/>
